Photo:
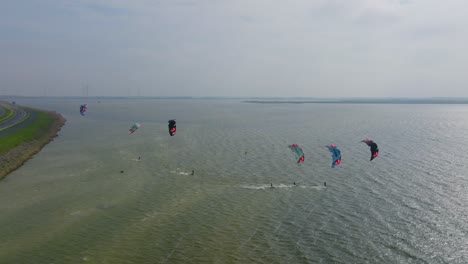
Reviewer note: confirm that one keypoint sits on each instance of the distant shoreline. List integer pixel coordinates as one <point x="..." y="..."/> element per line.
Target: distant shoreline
<point x="365" y="101"/>
<point x="17" y="156"/>
<point x="266" y="100"/>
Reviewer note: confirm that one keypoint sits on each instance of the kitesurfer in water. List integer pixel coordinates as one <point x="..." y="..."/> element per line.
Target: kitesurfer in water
<point x="138" y="157"/>
<point x="193" y="172"/>
<point x="325" y="184"/>
<point x="121" y="171"/>
<point x="271" y="185"/>
<point x="294" y="183"/>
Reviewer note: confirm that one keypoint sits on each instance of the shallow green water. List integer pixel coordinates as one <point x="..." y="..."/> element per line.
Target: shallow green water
<point x="71" y="204"/>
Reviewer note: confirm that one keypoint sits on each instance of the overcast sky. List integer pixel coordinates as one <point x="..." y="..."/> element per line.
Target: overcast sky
<point x="294" y="48"/>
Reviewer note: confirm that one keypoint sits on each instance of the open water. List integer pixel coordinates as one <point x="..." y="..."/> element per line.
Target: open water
<point x="71" y="204"/>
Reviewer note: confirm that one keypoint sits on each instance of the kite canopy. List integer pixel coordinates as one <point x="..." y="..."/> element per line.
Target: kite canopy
<point x="336" y="155"/>
<point x="373" y="148"/>
<point x="297" y="152"/>
<point x="172" y="127"/>
<point x="83" y="108"/>
<point x="134" y="127"/>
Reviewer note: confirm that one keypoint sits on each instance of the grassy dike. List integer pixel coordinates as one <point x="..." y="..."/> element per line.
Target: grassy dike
<point x="19" y="146"/>
<point x="7" y="114"/>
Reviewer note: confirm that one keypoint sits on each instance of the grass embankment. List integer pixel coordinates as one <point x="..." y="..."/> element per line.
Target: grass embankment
<point x="19" y="146"/>
<point x="7" y="114"/>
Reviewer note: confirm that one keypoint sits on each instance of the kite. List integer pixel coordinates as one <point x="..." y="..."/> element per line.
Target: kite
<point x="373" y="148"/>
<point x="297" y="152"/>
<point x="134" y="127"/>
<point x="336" y="155"/>
<point x="172" y="127"/>
<point x="83" y="108"/>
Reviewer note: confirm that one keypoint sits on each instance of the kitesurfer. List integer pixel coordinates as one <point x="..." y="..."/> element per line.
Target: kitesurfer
<point x="193" y="172"/>
<point x="121" y="171"/>
<point x="138" y="157"/>
<point x="271" y="185"/>
<point x="294" y="183"/>
<point x="325" y="184"/>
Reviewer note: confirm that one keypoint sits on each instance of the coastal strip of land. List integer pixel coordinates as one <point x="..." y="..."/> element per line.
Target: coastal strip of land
<point x="26" y="137"/>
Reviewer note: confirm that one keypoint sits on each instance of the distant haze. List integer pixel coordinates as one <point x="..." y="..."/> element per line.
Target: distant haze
<point x="303" y="48"/>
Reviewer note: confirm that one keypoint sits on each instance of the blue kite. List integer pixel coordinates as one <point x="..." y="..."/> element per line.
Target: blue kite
<point x="336" y="155"/>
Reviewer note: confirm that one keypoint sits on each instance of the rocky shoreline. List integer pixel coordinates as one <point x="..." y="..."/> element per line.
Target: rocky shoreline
<point x="16" y="157"/>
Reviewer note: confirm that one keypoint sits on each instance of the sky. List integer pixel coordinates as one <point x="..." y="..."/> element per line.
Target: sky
<point x="234" y="48"/>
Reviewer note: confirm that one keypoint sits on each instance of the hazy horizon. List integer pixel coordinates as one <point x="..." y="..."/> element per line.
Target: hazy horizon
<point x="319" y="49"/>
<point x="6" y="96"/>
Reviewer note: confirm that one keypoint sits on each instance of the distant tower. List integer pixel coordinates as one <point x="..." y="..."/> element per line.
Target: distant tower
<point x="85" y="91"/>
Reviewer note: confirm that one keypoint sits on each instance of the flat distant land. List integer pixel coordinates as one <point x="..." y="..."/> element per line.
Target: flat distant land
<point x="362" y="101"/>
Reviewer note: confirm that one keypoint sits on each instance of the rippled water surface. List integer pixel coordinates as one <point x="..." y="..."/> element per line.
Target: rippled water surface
<point x="71" y="204"/>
